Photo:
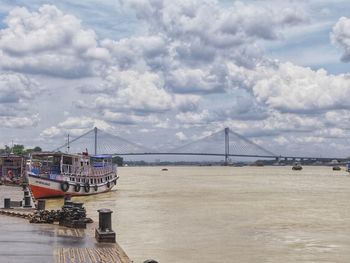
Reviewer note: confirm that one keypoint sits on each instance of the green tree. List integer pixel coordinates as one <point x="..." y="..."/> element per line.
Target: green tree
<point x="37" y="149"/>
<point x="118" y="160"/>
<point x="18" y="149"/>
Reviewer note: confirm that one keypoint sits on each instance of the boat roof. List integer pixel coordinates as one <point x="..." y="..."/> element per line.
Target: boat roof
<point x="10" y="155"/>
<point x="98" y="156"/>
<point x="52" y="154"/>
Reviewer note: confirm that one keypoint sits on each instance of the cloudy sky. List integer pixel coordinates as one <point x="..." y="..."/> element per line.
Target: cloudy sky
<point x="163" y="73"/>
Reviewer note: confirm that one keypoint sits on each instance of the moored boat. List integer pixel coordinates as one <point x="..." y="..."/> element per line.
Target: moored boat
<point x="336" y="168"/>
<point x="55" y="174"/>
<point x="297" y="167"/>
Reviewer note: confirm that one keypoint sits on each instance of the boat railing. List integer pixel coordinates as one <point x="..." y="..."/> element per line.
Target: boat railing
<point x="88" y="170"/>
<point x="67" y="169"/>
<point x="100" y="171"/>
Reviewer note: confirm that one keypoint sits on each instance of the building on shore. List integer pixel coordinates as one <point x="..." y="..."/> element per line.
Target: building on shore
<point x="12" y="168"/>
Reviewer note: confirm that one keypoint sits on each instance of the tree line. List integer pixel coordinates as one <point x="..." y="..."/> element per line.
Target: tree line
<point x="19" y="149"/>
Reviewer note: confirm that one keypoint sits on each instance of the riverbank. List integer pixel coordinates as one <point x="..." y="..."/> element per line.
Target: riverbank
<point x="23" y="242"/>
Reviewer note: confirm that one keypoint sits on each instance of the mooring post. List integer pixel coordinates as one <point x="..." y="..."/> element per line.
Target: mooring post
<point x="67" y="198"/>
<point x="227" y="145"/>
<point x="41" y="204"/>
<point x="27" y="202"/>
<point x="7" y="203"/>
<point x="104" y="233"/>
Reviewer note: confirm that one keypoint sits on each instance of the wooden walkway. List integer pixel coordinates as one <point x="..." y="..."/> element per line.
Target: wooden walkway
<point x="91" y="255"/>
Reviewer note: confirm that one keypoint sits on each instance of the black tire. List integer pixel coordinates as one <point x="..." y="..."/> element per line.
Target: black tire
<point x="95" y="187"/>
<point x="108" y="184"/>
<point x="77" y="187"/>
<point x="87" y="188"/>
<point x="64" y="186"/>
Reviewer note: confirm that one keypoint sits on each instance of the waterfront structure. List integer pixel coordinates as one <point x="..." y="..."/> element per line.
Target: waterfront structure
<point x="12" y="168"/>
<point x="54" y="174"/>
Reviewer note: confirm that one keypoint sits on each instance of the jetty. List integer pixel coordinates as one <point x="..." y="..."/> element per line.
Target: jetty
<point x="21" y="241"/>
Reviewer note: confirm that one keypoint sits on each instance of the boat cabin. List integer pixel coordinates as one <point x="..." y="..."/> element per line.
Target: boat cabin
<point x="12" y="168"/>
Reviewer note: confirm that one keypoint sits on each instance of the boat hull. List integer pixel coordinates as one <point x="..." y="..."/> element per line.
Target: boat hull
<point x="46" y="188"/>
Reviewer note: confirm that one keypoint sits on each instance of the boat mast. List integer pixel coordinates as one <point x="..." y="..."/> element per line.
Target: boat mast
<point x="68" y="144"/>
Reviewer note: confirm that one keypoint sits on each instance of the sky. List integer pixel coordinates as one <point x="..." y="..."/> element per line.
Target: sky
<point x="164" y="73"/>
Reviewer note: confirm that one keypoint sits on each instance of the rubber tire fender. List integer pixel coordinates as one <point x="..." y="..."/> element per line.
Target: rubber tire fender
<point x="87" y="188"/>
<point x="64" y="186"/>
<point x="77" y="187"/>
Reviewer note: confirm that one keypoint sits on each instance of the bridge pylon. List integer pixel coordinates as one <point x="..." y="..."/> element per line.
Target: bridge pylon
<point x="95" y="133"/>
<point x="227" y="145"/>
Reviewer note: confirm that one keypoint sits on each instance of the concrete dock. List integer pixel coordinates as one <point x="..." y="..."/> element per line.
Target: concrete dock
<point x="23" y="242"/>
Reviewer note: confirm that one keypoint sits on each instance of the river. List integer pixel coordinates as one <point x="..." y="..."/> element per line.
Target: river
<point x="230" y="214"/>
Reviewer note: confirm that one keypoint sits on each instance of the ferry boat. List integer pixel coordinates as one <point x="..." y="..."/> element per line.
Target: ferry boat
<point x="55" y="174"/>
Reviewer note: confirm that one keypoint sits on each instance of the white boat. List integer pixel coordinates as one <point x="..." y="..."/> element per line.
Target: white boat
<point x="55" y="174"/>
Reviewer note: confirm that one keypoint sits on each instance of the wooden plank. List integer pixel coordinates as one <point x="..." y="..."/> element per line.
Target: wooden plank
<point x="91" y="255"/>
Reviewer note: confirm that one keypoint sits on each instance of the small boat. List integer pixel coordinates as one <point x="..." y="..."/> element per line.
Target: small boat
<point x="297" y="167"/>
<point x="56" y="174"/>
<point x="336" y="168"/>
<point x="165" y="169"/>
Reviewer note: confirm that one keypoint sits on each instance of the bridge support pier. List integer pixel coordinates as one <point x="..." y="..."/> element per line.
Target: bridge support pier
<point x="227" y="145"/>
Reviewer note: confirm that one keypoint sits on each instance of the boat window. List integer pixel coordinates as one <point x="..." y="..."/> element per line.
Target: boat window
<point x="67" y="160"/>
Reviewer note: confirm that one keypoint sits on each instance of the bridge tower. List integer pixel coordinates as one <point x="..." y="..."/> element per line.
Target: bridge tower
<point x="95" y="132"/>
<point x="227" y="145"/>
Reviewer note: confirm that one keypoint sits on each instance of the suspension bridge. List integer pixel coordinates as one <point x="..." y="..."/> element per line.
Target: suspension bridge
<point x="224" y="143"/>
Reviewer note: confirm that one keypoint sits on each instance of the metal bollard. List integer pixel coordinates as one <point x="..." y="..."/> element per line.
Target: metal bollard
<point x="41" y="204"/>
<point x="67" y="198"/>
<point x="78" y="205"/>
<point x="105" y="220"/>
<point x="7" y="203"/>
<point x="104" y="233"/>
<point x="27" y="202"/>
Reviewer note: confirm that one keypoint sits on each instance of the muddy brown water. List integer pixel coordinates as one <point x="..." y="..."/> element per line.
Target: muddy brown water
<point x="229" y="214"/>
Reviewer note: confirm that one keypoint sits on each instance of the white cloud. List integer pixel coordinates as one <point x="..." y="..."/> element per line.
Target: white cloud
<point x="17" y="93"/>
<point x="15" y="88"/>
<point x="128" y="119"/>
<point x="19" y="122"/>
<point x="291" y="88"/>
<point x="340" y="36"/>
<point x="51" y="132"/>
<point x="193" y="118"/>
<point x="51" y="42"/>
<point x="181" y="136"/>
<point x="74" y="126"/>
